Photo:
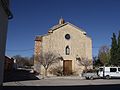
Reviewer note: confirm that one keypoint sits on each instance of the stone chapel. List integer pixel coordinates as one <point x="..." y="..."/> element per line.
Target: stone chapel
<point x="68" y="41"/>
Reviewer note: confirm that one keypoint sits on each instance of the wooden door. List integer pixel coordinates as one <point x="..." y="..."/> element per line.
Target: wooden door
<point x="67" y="67"/>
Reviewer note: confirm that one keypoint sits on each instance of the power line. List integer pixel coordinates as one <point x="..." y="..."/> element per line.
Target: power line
<point x="23" y="50"/>
<point x="100" y="46"/>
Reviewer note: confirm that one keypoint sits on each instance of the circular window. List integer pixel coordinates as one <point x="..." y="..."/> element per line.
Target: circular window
<point x="67" y="36"/>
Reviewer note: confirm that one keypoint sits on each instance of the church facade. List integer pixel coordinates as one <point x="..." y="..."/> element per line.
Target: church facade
<point x="69" y="42"/>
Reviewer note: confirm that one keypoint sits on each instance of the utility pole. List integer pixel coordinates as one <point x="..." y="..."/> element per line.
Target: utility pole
<point x="5" y="14"/>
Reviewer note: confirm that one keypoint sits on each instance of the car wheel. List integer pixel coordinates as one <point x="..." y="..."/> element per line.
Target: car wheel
<point x="87" y="78"/>
<point x="107" y="77"/>
<point x="91" y="78"/>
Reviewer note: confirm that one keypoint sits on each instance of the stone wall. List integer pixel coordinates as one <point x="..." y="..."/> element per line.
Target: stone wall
<point x="37" y="50"/>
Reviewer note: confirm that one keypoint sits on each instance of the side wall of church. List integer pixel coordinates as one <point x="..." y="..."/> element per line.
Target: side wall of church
<point x="37" y="51"/>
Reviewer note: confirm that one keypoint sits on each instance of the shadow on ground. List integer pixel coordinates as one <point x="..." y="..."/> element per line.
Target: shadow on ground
<point x="19" y="75"/>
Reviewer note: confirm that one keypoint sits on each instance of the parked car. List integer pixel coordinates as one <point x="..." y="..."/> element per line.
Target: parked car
<point x="103" y="72"/>
<point x="90" y="74"/>
<point x="109" y="72"/>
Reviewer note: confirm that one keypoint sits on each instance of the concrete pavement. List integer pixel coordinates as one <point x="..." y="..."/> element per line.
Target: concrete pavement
<point x="62" y="82"/>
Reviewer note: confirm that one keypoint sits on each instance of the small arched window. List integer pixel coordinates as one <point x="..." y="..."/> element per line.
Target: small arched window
<point x="67" y="50"/>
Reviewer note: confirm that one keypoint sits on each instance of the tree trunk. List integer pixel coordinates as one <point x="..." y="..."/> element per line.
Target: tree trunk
<point x="46" y="72"/>
<point x="85" y="68"/>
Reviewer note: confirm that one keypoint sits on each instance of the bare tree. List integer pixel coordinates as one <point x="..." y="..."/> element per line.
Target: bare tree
<point x="104" y="55"/>
<point x="47" y="59"/>
<point x="31" y="62"/>
<point x="23" y="61"/>
<point x="84" y="62"/>
<point x="57" y="70"/>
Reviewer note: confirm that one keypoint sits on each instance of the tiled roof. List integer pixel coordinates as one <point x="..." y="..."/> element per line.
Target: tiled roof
<point x="58" y="26"/>
<point x="61" y="25"/>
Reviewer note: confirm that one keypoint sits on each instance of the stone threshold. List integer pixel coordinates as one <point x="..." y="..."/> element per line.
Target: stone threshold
<point x="61" y="77"/>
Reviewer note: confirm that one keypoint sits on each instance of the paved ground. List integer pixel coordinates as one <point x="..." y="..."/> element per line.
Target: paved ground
<point x="25" y="78"/>
<point x="19" y="75"/>
<point x="63" y="82"/>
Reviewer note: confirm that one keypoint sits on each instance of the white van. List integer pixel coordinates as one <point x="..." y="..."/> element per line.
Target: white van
<point x="109" y="72"/>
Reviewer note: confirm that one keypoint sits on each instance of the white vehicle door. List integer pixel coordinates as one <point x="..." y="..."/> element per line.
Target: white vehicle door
<point x="118" y="73"/>
<point x="100" y="72"/>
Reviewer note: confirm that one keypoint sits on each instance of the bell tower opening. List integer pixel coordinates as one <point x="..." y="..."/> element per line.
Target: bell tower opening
<point x="61" y="21"/>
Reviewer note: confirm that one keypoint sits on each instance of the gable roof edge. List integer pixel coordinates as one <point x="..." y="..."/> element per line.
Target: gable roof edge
<point x="59" y="26"/>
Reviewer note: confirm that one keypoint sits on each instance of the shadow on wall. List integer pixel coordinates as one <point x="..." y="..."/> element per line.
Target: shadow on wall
<point x="19" y="75"/>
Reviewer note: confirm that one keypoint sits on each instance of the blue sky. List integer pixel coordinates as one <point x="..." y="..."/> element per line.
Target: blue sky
<point x="99" y="18"/>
